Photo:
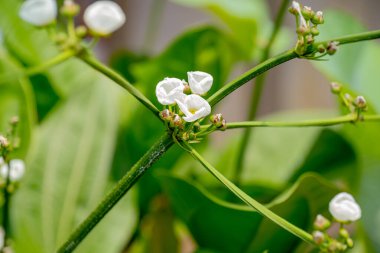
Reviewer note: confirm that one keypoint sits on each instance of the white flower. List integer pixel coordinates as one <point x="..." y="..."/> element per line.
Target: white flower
<point x="343" y="207"/>
<point x="39" y="12"/>
<point x="169" y="90"/>
<point x="16" y="172"/>
<point x="194" y="107"/>
<point x="200" y="82"/>
<point x="104" y="17"/>
<point x="297" y="7"/>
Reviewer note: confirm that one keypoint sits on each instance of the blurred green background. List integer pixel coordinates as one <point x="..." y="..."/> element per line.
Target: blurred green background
<point x="81" y="132"/>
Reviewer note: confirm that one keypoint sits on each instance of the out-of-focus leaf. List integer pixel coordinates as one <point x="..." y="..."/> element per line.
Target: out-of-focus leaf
<point x="333" y="157"/>
<point x="247" y="20"/>
<point x="219" y="225"/>
<point x="356" y="66"/>
<point x="16" y="99"/>
<point x="68" y="167"/>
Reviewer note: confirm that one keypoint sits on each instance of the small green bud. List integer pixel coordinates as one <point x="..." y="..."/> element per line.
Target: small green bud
<point x="314" y="31"/>
<point x="336" y="88"/>
<point x="197" y="127"/>
<point x="60" y="38"/>
<point x="321" y="223"/>
<point x="318" y="19"/>
<point x="185" y="136"/>
<point x="332" y="47"/>
<point x="344" y="233"/>
<point x="321" y="49"/>
<point x="307" y="12"/>
<point x="81" y="31"/>
<point x="303" y="30"/>
<point x="309" y="39"/>
<point x="348" y="98"/>
<point x="293" y="10"/>
<point x="217" y="119"/>
<point x="177" y="121"/>
<point x="186" y="88"/>
<point x="360" y="102"/>
<point x="69" y="8"/>
<point x="166" y="115"/>
<point x="223" y="127"/>
<point x="350" y="242"/>
<point x="14" y="120"/>
<point x="336" y="246"/>
<point x="318" y="237"/>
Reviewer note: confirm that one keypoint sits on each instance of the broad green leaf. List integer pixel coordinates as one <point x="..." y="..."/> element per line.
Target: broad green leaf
<point x="16" y="99"/>
<point x="225" y="227"/>
<point x="68" y="174"/>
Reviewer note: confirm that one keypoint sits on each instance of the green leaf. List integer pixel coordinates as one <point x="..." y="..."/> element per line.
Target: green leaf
<point x="222" y="226"/>
<point x="67" y="175"/>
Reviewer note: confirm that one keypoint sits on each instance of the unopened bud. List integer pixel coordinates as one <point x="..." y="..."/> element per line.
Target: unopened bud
<point x="185" y="136"/>
<point x="321" y="223"/>
<point x="197" y="127"/>
<point x="360" y="102"/>
<point x="344" y="233"/>
<point x="293" y="10"/>
<point x="302" y="30"/>
<point x="69" y="8"/>
<point x="81" y="31"/>
<point x="166" y="115"/>
<point x="224" y="125"/>
<point x="336" y="88"/>
<point x="216" y="119"/>
<point x="186" y="88"/>
<point x="309" y="39"/>
<point x="4" y="143"/>
<point x="332" y="47"/>
<point x="318" y="19"/>
<point x="307" y="12"/>
<point x="14" y="120"/>
<point x="318" y="237"/>
<point x="349" y="242"/>
<point x="321" y="49"/>
<point x="60" y="38"/>
<point x="177" y="121"/>
<point x="348" y="97"/>
<point x="314" y="31"/>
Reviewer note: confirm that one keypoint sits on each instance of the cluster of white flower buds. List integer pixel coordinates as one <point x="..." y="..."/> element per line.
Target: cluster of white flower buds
<point x="356" y="105"/>
<point x="344" y="210"/>
<point x="101" y="17"/>
<point x="307" y="26"/>
<point x="185" y="105"/>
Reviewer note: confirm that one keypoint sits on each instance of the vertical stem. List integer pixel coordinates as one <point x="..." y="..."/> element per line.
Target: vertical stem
<point x="121" y="188"/>
<point x="7" y="197"/>
<point x="256" y="94"/>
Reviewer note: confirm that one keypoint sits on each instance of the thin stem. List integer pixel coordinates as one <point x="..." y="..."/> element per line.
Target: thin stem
<point x="120" y="81"/>
<point x="351" y="118"/>
<point x="40" y="68"/>
<point x="250" y="201"/>
<point x="282" y="58"/>
<point x="7" y="198"/>
<point x="122" y="187"/>
<point x="257" y="92"/>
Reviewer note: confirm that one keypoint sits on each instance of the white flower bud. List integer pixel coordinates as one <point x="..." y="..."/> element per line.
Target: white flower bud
<point x="16" y="172"/>
<point x="194" y="107"/>
<point x="39" y="12"/>
<point x="297" y="7"/>
<point x="200" y="82"/>
<point x="343" y="208"/>
<point x="169" y="90"/>
<point x="104" y="17"/>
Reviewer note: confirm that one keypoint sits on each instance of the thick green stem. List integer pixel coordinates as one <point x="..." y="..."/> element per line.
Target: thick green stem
<point x="371" y="35"/>
<point x="117" y="78"/>
<point x="250" y="201"/>
<point x="40" y="68"/>
<point x="257" y="92"/>
<point x="122" y="187"/>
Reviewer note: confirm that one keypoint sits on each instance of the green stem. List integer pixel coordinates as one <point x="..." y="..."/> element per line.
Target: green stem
<point x="87" y="58"/>
<point x="7" y="198"/>
<point x="351" y="118"/>
<point x="250" y="201"/>
<point x="282" y="58"/>
<point x="121" y="188"/>
<point x="257" y="92"/>
<point x="40" y="68"/>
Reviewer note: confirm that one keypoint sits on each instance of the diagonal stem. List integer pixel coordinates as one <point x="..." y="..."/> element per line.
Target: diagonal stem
<point x="248" y="200"/>
<point x="117" y="78"/>
<point x="121" y="188"/>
